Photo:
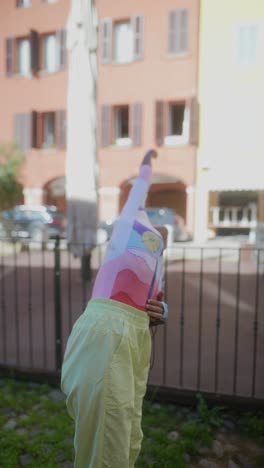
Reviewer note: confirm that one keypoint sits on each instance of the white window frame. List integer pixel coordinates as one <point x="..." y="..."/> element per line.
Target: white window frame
<point x="53" y="67"/>
<point x="24" y="54"/>
<point x="126" y="48"/>
<point x="183" y="139"/>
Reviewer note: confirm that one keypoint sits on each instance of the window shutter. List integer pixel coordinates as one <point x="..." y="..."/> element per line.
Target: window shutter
<point x="173" y="29"/>
<point x="23" y="131"/>
<point x="194" y="121"/>
<point x="34" y="51"/>
<point x="178" y="31"/>
<point x="105" y="125"/>
<point x="61" y="49"/>
<point x="159" y="122"/>
<point x="9" y="56"/>
<point x="61" y="129"/>
<point x="19" y="131"/>
<point x="138" y="36"/>
<point x="136" y="113"/>
<point x="106" y="40"/>
<point x="35" y="140"/>
<point x="184" y="30"/>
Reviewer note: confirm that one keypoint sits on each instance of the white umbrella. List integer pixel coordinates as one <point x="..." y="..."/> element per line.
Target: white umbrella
<point x="81" y="166"/>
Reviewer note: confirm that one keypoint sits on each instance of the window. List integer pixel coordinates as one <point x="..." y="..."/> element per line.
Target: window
<point x="123" y="42"/>
<point x="48" y="122"/>
<point x="121" y="125"/>
<point x="121" y="121"/>
<point x="177" y="122"/>
<point x="28" y="55"/>
<point x="40" y="130"/>
<point x="23" y="3"/>
<point x="247" y="44"/>
<point x="178" y="31"/>
<point x="176" y="119"/>
<point x="23" y="57"/>
<point x="126" y="45"/>
<point x="50" y="53"/>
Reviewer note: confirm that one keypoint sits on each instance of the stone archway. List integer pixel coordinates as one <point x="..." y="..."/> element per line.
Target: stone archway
<point x="54" y="193"/>
<point x="165" y="191"/>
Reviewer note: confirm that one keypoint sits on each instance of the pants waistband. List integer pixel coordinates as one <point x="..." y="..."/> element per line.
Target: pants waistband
<point x="135" y="315"/>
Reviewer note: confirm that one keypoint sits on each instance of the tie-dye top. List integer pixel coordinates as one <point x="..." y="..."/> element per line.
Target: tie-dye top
<point x="132" y="269"/>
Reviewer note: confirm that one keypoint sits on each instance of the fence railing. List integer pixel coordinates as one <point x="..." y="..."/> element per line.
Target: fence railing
<point x="213" y="341"/>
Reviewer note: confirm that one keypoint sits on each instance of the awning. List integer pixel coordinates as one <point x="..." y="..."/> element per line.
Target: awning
<point x="243" y="176"/>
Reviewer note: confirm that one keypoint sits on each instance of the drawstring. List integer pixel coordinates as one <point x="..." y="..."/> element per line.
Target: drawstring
<point x="153" y="331"/>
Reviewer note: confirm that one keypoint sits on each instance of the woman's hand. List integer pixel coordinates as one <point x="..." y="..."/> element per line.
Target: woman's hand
<point x="154" y="308"/>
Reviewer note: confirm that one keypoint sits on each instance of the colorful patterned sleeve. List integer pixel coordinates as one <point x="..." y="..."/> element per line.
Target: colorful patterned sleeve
<point x="136" y="198"/>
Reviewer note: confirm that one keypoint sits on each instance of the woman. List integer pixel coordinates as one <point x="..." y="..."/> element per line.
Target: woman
<point x="106" y="363"/>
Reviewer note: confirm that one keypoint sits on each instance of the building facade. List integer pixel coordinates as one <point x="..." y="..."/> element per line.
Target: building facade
<point x="33" y="92"/>
<point x="146" y="97"/>
<point x="230" y="184"/>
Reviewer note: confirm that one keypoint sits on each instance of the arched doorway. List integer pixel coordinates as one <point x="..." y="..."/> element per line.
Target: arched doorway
<point x="165" y="191"/>
<point x="54" y="193"/>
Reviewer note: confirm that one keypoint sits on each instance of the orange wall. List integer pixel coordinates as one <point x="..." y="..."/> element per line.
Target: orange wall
<point x="18" y="94"/>
<point x="157" y="77"/>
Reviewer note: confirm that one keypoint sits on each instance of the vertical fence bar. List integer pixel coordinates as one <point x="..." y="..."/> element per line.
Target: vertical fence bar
<point x="100" y="255"/>
<point x="218" y="321"/>
<point x="84" y="276"/>
<point x="16" y="303"/>
<point x="57" y="304"/>
<point x="69" y="290"/>
<point x="182" y="317"/>
<point x="237" y="323"/>
<point x="30" y="307"/>
<point x="164" y="370"/>
<point x="44" y="311"/>
<point x="3" y="302"/>
<point x="255" y="327"/>
<point x="200" y="321"/>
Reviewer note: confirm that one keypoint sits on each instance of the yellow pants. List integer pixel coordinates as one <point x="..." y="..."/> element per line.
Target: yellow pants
<point x="104" y="377"/>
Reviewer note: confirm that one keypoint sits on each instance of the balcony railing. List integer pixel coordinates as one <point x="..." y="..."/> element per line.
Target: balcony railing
<point x="234" y="216"/>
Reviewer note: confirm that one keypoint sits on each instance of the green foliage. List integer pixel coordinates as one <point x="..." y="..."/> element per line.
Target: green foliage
<point x="210" y="416"/>
<point x="194" y="435"/>
<point x="253" y="424"/>
<point x="44" y="431"/>
<point x="10" y="162"/>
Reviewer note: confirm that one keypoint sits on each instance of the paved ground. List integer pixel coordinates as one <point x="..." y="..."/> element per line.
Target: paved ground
<point x="215" y="329"/>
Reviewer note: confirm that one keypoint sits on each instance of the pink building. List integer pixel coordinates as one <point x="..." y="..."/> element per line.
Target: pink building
<point x="33" y="89"/>
<point x="146" y="96"/>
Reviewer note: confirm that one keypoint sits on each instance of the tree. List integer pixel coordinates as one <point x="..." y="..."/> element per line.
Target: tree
<point x="11" y="159"/>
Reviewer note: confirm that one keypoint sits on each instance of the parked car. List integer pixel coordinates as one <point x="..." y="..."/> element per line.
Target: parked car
<point x="106" y="228"/>
<point x="172" y="221"/>
<point x="39" y="223"/>
<point x="158" y="217"/>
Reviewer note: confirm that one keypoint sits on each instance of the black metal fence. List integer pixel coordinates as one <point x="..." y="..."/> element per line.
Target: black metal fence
<point x="213" y="341"/>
